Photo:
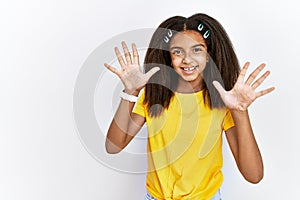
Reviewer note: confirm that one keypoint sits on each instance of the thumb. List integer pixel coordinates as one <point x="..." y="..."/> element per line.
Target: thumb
<point x="219" y="88"/>
<point x="151" y="72"/>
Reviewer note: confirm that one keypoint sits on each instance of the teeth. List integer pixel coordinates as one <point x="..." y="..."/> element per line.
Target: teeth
<point x="189" y="68"/>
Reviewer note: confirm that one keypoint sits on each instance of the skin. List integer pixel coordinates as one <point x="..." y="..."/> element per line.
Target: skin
<point x="188" y="50"/>
<point x="189" y="56"/>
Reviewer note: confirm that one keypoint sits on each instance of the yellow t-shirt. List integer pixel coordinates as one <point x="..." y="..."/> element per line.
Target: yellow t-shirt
<point x="185" y="148"/>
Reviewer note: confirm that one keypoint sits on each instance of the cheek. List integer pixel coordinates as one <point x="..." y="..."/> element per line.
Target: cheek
<point x="176" y="61"/>
<point x="201" y="59"/>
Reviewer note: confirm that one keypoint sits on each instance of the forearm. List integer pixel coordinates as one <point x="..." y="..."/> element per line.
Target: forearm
<point x="248" y="156"/>
<point x="117" y="134"/>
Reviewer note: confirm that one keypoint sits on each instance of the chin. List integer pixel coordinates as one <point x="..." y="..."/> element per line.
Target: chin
<point x="191" y="78"/>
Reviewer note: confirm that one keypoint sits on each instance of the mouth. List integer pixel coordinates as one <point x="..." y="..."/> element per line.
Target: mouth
<point x="189" y="70"/>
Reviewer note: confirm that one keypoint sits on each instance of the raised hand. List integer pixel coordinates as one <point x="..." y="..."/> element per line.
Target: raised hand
<point x="130" y="74"/>
<point x="241" y="96"/>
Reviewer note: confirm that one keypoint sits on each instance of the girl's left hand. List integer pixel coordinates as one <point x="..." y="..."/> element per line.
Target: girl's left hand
<point x="243" y="93"/>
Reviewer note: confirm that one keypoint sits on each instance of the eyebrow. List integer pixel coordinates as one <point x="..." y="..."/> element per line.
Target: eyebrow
<point x="176" y="47"/>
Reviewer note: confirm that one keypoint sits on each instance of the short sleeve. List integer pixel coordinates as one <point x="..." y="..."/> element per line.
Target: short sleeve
<point x="139" y="107"/>
<point x="228" y="121"/>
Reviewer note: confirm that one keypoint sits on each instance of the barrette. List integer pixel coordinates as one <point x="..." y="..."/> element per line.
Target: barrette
<point x="168" y="36"/>
<point x="202" y="28"/>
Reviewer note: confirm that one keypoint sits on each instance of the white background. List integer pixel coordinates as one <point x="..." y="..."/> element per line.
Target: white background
<point x="43" y="45"/>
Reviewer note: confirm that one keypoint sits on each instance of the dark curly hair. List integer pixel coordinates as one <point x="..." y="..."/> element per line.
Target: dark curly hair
<point x="222" y="66"/>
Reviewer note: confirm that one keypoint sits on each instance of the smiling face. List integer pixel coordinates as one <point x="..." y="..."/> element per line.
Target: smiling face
<point x="188" y="52"/>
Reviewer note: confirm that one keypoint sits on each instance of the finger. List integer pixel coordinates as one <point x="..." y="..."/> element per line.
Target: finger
<point x="264" y="92"/>
<point x="243" y="73"/>
<point x="135" y="54"/>
<point x="127" y="54"/>
<point x="219" y="88"/>
<point x="112" y="69"/>
<point x="254" y="74"/>
<point x="120" y="58"/>
<point x="260" y="80"/>
<point x="151" y="72"/>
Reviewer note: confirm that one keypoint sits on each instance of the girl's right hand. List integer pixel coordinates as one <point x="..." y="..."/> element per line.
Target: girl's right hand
<point x="130" y="74"/>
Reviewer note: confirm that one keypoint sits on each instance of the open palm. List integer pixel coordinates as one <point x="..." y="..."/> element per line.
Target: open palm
<point x="241" y="96"/>
<point x="130" y="74"/>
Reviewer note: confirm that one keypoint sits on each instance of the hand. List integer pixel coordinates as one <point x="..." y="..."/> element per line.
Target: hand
<point x="243" y="94"/>
<point x="130" y="74"/>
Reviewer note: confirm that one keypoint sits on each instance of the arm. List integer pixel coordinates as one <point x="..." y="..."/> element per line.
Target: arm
<point x="123" y="127"/>
<point x="126" y="124"/>
<point x="241" y="137"/>
<point x="244" y="147"/>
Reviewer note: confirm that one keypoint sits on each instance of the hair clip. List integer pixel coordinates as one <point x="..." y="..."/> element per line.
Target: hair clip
<point x="166" y="39"/>
<point x="202" y="28"/>
<point x="169" y="35"/>
<point x="206" y="34"/>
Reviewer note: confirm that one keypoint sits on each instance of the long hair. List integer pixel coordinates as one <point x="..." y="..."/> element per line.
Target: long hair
<point x="222" y="61"/>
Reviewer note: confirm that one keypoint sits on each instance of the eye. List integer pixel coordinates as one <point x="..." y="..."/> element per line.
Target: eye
<point x="177" y="52"/>
<point x="197" y="49"/>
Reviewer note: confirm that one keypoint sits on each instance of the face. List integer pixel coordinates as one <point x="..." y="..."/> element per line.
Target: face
<point x="188" y="52"/>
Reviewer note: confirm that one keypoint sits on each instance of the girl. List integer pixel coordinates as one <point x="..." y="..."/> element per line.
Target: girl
<point x="182" y="99"/>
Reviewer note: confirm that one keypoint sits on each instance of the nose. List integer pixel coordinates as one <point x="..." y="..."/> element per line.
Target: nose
<point x="186" y="59"/>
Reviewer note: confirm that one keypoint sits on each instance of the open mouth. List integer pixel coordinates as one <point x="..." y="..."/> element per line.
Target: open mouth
<point x="189" y="69"/>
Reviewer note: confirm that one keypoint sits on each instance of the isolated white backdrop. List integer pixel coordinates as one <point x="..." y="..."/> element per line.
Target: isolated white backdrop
<point x="43" y="45"/>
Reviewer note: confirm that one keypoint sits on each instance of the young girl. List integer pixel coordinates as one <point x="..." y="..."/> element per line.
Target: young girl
<point x="182" y="99"/>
